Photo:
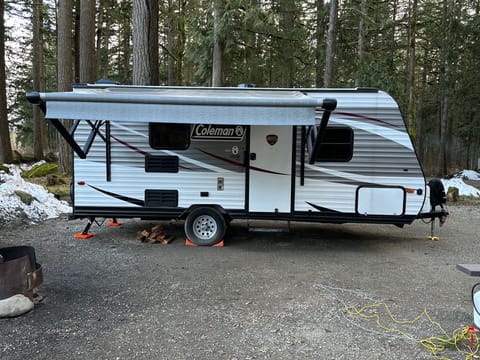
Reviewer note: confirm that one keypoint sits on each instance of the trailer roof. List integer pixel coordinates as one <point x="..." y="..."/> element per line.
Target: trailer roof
<point x="244" y="106"/>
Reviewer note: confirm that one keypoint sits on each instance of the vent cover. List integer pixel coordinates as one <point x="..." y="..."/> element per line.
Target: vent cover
<point x="161" y="163"/>
<point x="161" y="198"/>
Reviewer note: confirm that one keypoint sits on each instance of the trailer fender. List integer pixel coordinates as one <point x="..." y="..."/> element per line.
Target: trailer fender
<point x="218" y="208"/>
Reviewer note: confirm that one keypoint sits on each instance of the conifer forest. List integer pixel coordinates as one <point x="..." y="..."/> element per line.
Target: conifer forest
<point x="425" y="53"/>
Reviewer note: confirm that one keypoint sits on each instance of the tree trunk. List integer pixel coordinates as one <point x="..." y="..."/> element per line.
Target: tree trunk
<point x="76" y="43"/>
<point x="65" y="75"/>
<point x="411" y="53"/>
<point x="320" y="49"/>
<point x="393" y="41"/>
<point x="171" y="32"/>
<point x="153" y="41"/>
<point x="443" y="166"/>
<point x="125" y="73"/>
<point x="180" y="43"/>
<point x="6" y="154"/>
<point x="286" y="24"/>
<point x="176" y="38"/>
<point x="218" y="44"/>
<point x="39" y="125"/>
<point x="87" y="41"/>
<point x="145" y="42"/>
<point x="422" y="113"/>
<point x="361" y="42"/>
<point x="445" y="87"/>
<point x="331" y="36"/>
<point x="102" y="65"/>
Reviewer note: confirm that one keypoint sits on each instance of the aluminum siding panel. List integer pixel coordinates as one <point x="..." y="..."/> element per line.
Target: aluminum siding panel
<point x="198" y="171"/>
<point x="383" y="155"/>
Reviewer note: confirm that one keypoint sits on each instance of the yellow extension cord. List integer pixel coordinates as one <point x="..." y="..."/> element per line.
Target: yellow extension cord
<point x="460" y="339"/>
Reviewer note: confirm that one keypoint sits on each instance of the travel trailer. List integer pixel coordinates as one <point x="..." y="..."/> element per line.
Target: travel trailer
<point x="211" y="155"/>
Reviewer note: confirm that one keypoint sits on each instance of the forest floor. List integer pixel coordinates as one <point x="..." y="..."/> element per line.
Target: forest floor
<point x="264" y="295"/>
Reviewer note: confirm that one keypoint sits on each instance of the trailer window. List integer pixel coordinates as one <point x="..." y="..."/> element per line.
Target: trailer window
<point x="169" y="136"/>
<point x="337" y="145"/>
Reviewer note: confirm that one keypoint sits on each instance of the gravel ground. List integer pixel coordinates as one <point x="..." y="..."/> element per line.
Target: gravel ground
<point x="265" y="295"/>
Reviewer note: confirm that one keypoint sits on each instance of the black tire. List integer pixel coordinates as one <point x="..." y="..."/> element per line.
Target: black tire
<point x="205" y="226"/>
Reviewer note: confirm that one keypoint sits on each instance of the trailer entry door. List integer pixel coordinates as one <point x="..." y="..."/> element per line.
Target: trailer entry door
<point x="270" y="172"/>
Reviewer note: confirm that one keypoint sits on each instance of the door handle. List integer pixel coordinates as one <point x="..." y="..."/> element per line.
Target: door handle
<point x="253" y="156"/>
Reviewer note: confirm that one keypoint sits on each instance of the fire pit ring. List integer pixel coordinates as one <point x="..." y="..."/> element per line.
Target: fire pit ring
<point x="19" y="271"/>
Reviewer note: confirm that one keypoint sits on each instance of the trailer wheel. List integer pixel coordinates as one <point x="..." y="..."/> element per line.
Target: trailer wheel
<point x="205" y="226"/>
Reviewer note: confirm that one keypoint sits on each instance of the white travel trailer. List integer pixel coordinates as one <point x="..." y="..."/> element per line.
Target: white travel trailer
<point x="210" y="155"/>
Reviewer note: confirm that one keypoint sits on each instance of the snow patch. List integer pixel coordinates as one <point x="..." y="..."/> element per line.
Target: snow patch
<point x="44" y="205"/>
<point x="457" y="181"/>
<point x="467" y="175"/>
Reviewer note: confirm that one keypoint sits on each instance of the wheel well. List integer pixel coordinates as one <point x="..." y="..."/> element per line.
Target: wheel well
<point x="218" y="208"/>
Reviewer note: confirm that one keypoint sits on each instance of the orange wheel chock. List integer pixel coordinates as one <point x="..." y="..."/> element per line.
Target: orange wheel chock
<point x="219" y="244"/>
<point x="83" y="236"/>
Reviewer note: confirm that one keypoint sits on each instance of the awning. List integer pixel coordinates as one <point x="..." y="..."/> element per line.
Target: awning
<point x="188" y="105"/>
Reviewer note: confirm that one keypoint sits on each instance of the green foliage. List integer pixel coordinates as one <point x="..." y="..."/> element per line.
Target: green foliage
<point x="19" y="69"/>
<point x="4" y="169"/>
<point x="116" y="33"/>
<point x="281" y="43"/>
<point x="41" y="170"/>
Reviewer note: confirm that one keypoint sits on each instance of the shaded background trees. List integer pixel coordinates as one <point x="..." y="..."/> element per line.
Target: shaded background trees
<point x="424" y="52"/>
<point x="145" y="42"/>
<point x="64" y="73"/>
<point x="5" y="146"/>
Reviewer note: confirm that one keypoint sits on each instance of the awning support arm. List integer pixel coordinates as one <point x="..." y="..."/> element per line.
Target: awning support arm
<point x="74" y="127"/>
<point x="108" y="152"/>
<point x="302" y="156"/>
<point x="68" y="135"/>
<point x="68" y="138"/>
<point x="328" y="106"/>
<point x="91" y="137"/>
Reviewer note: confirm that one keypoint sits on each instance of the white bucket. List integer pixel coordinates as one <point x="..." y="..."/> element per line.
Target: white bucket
<point x="476" y="315"/>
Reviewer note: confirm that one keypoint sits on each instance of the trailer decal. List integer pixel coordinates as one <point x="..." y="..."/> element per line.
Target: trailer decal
<point x="140" y="151"/>
<point x="135" y="149"/>
<point x="360" y="116"/>
<point x="218" y="132"/>
<point x="239" y="164"/>
<point x="119" y="197"/>
<point x="322" y="209"/>
<point x="339" y="180"/>
<point x="236" y="163"/>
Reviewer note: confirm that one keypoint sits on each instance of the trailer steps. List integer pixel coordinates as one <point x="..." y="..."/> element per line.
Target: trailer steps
<point x="268" y="226"/>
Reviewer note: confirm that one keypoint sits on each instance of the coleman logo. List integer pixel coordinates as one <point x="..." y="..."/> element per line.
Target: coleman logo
<point x="218" y="132"/>
<point x="272" y="139"/>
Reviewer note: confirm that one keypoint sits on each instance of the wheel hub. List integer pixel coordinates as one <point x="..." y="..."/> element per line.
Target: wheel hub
<point x="205" y="227"/>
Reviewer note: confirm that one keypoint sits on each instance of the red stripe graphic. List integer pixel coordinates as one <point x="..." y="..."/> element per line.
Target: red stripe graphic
<point x="358" y="116"/>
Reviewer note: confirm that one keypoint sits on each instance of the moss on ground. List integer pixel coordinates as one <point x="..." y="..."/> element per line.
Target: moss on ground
<point x="40" y="170"/>
<point x="4" y="169"/>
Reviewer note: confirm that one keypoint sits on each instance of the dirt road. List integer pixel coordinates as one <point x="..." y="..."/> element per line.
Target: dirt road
<point x="262" y="296"/>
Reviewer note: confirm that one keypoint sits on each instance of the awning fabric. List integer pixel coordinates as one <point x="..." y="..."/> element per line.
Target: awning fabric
<point x="183" y="105"/>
